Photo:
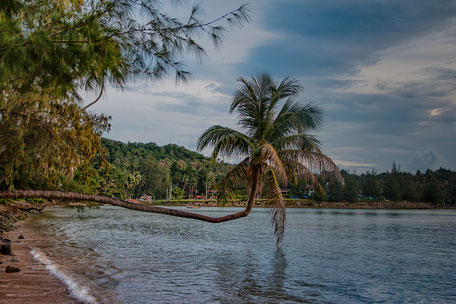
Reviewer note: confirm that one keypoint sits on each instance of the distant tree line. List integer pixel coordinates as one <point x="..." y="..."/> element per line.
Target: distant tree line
<point x="133" y="169"/>
<point x="438" y="187"/>
<point x="129" y="170"/>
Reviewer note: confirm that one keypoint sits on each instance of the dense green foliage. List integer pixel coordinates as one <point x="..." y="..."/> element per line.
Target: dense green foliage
<point x="159" y="167"/>
<point x="437" y="187"/>
<point x="51" y="51"/>
<point x="134" y="169"/>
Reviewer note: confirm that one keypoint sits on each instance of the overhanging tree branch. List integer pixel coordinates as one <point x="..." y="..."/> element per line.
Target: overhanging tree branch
<point x="98" y="98"/>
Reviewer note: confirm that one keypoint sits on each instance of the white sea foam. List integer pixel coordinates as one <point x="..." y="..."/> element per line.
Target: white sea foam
<point x="77" y="291"/>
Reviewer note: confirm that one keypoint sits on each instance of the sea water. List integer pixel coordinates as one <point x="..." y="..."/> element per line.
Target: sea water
<point x="114" y="255"/>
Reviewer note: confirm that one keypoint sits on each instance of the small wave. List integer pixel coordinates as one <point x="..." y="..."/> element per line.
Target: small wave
<point x="77" y="291"/>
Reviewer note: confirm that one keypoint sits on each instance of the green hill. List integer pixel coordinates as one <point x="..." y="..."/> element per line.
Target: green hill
<point x="133" y="169"/>
<point x="121" y="151"/>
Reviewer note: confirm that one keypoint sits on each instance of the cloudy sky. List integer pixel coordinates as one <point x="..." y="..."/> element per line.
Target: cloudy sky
<point x="383" y="72"/>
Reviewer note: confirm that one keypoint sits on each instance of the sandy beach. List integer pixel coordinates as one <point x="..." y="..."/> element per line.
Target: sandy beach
<point x="34" y="283"/>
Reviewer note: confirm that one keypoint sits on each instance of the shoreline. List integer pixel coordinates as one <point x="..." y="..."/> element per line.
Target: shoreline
<point x="385" y="205"/>
<point x="34" y="283"/>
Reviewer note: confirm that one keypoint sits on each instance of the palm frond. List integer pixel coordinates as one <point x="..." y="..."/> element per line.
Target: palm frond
<point x="267" y="154"/>
<point x="314" y="161"/>
<point x="252" y="102"/>
<point x="226" y="141"/>
<point x="286" y="88"/>
<point x="276" y="203"/>
<point x="304" y="142"/>
<point x="233" y="181"/>
<point x="301" y="172"/>
<point x="295" y="118"/>
<point x="244" y="94"/>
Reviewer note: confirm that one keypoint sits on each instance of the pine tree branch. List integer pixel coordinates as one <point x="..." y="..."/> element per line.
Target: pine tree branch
<point x="98" y="98"/>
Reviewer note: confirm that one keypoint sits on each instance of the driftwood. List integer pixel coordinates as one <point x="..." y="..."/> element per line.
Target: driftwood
<point x="31" y="209"/>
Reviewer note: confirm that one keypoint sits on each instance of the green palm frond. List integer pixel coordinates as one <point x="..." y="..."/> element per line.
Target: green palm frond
<point x="251" y="101"/>
<point x="276" y="203"/>
<point x="227" y="142"/>
<point x="294" y="118"/>
<point x="288" y="87"/>
<point x="256" y="101"/>
<point x="304" y="142"/>
<point x="303" y="117"/>
<point x="244" y="96"/>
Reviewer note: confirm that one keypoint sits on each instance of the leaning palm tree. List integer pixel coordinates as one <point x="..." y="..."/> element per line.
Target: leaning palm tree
<point x="275" y="144"/>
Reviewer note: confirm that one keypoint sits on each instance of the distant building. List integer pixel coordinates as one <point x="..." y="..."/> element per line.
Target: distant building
<point x="146" y="198"/>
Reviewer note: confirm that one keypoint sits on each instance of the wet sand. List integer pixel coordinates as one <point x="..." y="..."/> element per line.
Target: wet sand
<point x="34" y="283"/>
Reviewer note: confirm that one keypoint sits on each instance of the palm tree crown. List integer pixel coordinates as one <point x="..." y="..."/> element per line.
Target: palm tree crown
<point x="275" y="143"/>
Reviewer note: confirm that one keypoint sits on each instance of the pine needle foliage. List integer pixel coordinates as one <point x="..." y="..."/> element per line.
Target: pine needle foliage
<point x="51" y="51"/>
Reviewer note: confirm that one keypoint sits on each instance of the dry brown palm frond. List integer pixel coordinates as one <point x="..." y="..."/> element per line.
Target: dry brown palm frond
<point x="269" y="155"/>
<point x="276" y="203"/>
<point x="233" y="180"/>
<point x="313" y="161"/>
<point x="300" y="171"/>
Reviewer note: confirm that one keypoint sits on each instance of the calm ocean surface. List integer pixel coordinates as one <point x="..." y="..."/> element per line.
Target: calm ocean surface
<point x="114" y="255"/>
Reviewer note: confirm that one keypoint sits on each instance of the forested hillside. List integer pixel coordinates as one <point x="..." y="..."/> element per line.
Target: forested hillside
<point x="133" y="169"/>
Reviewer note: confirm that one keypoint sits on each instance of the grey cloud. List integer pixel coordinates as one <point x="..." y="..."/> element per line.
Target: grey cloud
<point x="192" y="106"/>
<point x="395" y="124"/>
<point x="320" y="41"/>
<point x="332" y="37"/>
<point x="442" y="73"/>
<point x="423" y="161"/>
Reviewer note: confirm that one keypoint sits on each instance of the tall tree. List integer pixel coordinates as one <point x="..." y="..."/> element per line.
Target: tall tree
<point x="275" y="143"/>
<point x="156" y="178"/>
<point x="51" y="51"/>
<point x="63" y="46"/>
<point x="370" y="184"/>
<point x="392" y="188"/>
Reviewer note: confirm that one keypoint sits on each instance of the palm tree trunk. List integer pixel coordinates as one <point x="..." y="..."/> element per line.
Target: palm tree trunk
<point x="253" y="191"/>
<point x="134" y="206"/>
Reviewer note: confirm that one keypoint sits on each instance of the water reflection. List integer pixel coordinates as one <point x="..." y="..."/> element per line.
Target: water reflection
<point x="342" y="213"/>
<point x="370" y="214"/>
<point x="394" y="214"/>
<point x="255" y="281"/>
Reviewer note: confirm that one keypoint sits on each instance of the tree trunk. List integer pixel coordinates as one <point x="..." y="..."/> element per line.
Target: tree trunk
<point x="135" y="206"/>
<point x="170" y="190"/>
<point x="253" y="191"/>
